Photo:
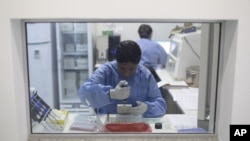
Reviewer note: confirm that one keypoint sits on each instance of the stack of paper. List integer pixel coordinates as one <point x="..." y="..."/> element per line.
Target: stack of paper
<point x="173" y="84"/>
<point x="183" y="121"/>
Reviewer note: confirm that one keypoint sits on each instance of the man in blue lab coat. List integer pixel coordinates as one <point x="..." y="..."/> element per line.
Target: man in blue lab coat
<point x="105" y="89"/>
<point x="153" y="54"/>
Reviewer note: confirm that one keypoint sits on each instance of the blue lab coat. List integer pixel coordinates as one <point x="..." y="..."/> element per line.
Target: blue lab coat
<point x="143" y="87"/>
<point x="153" y="54"/>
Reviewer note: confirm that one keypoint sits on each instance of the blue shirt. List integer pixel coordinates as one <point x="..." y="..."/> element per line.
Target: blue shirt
<point x="143" y="87"/>
<point x="153" y="54"/>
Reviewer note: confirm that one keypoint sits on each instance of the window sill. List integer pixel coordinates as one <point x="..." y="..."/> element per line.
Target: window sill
<point x="114" y="137"/>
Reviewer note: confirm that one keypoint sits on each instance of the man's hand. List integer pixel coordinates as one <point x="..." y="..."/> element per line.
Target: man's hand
<point x="121" y="91"/>
<point x="140" y="109"/>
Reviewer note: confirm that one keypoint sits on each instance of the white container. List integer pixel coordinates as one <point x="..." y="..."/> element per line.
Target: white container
<point x="69" y="63"/>
<point x="81" y="63"/>
<point x="70" y="75"/>
<point x="69" y="48"/>
<point x="81" y="47"/>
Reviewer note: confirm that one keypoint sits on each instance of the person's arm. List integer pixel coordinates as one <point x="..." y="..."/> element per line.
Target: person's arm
<point x="93" y="92"/>
<point x="101" y="89"/>
<point x="156" y="104"/>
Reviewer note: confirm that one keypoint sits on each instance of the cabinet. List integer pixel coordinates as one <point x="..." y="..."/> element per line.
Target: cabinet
<point x="75" y="62"/>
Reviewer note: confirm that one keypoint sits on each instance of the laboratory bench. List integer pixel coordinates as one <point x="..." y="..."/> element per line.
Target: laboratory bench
<point x="84" y="123"/>
<point x="181" y="116"/>
<point x="172" y="106"/>
<point x="180" y="100"/>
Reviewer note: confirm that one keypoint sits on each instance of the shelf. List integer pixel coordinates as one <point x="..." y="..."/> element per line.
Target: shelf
<point x="74" y="32"/>
<point x="70" y="100"/>
<point x="74" y="40"/>
<point x="75" y="69"/>
<point x="75" y="53"/>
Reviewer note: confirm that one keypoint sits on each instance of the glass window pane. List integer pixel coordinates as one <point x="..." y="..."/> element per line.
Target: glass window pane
<point x="63" y="56"/>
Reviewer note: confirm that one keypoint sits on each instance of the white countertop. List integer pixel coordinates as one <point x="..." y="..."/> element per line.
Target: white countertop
<point x="187" y="99"/>
<point x="170" y="123"/>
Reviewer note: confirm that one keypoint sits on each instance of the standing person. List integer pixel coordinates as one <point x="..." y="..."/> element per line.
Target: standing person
<point x="104" y="90"/>
<point x="153" y="54"/>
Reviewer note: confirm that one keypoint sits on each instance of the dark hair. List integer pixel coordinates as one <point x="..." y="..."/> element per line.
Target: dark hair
<point x="145" y="31"/>
<point x="128" y="51"/>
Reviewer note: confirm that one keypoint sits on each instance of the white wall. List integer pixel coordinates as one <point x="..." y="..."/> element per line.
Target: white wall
<point x="129" y="31"/>
<point x="233" y="91"/>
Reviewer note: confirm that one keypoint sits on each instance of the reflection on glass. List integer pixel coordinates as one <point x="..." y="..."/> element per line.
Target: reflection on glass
<point x="62" y="56"/>
<point x="174" y="48"/>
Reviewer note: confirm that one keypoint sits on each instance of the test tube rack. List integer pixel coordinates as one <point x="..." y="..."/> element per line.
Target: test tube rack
<point x="42" y="113"/>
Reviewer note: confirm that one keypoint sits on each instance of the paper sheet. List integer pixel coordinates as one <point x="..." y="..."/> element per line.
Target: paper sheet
<point x="172" y="84"/>
<point x="183" y="121"/>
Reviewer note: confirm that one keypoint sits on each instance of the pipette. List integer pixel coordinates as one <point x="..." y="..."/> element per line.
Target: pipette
<point x="124" y="101"/>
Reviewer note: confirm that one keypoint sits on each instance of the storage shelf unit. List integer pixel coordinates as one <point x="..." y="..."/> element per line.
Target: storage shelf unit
<point x="75" y="62"/>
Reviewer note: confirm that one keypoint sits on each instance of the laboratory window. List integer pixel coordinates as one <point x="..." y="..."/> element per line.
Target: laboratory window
<point x="61" y="56"/>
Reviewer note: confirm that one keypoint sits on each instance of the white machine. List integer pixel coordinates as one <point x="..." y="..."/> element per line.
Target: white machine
<point x="106" y="47"/>
<point x="184" y="52"/>
<point x="102" y="45"/>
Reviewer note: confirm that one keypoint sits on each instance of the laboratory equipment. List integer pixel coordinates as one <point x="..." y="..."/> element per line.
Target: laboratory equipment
<point x="192" y="76"/>
<point x="158" y="125"/>
<point x="123" y="118"/>
<point x="75" y="63"/>
<point x="106" y="47"/>
<point x="125" y="123"/>
<point x="127" y="127"/>
<point x="41" y="52"/>
<point x="102" y="48"/>
<point x="84" y="122"/>
<point x="52" y="120"/>
<point x="124" y="108"/>
<point x="125" y="85"/>
<point x="184" y="52"/>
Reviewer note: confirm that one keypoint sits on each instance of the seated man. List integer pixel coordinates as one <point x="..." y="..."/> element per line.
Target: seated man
<point x="104" y="89"/>
<point x="153" y="54"/>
